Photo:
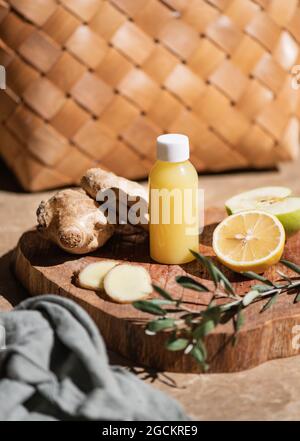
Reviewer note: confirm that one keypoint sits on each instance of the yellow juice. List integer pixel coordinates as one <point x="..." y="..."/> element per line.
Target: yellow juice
<point x="174" y="210"/>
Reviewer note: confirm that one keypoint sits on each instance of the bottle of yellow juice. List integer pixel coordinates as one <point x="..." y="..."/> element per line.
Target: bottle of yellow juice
<point x="174" y="208"/>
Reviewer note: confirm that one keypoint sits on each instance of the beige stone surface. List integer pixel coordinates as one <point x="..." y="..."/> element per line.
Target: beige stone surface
<point x="268" y="392"/>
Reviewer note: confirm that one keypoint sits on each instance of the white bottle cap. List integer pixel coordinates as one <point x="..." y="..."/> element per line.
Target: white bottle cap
<point x="173" y="148"/>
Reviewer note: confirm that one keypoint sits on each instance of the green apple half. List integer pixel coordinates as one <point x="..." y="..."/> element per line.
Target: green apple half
<point x="275" y="200"/>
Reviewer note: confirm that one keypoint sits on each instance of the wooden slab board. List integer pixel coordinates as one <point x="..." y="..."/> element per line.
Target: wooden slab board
<point x="43" y="269"/>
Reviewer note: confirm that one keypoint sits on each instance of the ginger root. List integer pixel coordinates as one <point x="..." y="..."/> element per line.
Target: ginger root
<point x="131" y="234"/>
<point x="127" y="283"/>
<point x="73" y="221"/>
<point x="97" y="179"/>
<point x="123" y="283"/>
<point x="92" y="276"/>
<point x="73" y="218"/>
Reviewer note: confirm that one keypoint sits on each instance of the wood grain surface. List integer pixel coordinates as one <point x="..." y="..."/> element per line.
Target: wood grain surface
<point x="43" y="268"/>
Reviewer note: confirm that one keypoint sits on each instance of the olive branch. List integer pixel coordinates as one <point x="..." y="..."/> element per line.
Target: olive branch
<point x="188" y="328"/>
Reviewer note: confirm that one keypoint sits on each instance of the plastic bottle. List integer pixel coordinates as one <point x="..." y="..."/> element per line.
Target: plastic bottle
<point x="174" y="207"/>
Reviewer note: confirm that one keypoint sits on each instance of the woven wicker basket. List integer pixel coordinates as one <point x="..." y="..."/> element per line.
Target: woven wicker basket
<point x="94" y="82"/>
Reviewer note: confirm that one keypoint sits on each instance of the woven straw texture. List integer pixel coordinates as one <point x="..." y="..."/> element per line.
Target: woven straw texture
<point x="94" y="82"/>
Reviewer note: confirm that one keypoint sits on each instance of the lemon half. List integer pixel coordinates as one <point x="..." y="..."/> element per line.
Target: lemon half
<point x="249" y="241"/>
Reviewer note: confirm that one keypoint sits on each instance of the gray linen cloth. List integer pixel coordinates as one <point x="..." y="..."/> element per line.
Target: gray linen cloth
<point x="55" y="367"/>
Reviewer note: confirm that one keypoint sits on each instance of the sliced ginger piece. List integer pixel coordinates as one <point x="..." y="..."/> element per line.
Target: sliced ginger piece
<point x="127" y="283"/>
<point x="92" y="276"/>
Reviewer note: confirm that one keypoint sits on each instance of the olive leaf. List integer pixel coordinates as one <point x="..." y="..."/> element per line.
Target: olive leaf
<point x="284" y="276"/>
<point x="213" y="313"/>
<point x="161" y="302"/>
<point x="270" y="302"/>
<point x="204" y="329"/>
<point x="202" y="347"/>
<point x="189" y="328"/>
<point x="253" y="276"/>
<point x="161" y="324"/>
<point x="151" y="308"/>
<point x="291" y="266"/>
<point x="239" y="321"/>
<point x="188" y="282"/>
<point x="297" y="298"/>
<point x="162" y="292"/>
<point x="177" y="344"/>
<point x="261" y="288"/>
<point x="250" y="297"/>
<point x="222" y="278"/>
<point x="208" y="265"/>
<point x="215" y="273"/>
<point x="227" y="316"/>
<point x="200" y="356"/>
